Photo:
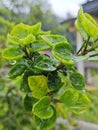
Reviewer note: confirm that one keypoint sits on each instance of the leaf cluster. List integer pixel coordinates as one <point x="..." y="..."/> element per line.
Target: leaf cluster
<point x="46" y="66"/>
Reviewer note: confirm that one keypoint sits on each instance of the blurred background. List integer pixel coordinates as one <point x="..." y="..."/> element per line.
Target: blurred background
<point x="59" y="17"/>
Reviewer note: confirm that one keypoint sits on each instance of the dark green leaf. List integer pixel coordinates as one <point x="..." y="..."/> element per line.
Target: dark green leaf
<point x="77" y="80"/>
<point x="29" y="101"/>
<point x="17" y="70"/>
<point x="44" y="63"/>
<point x="54" y="81"/>
<point x="24" y="83"/>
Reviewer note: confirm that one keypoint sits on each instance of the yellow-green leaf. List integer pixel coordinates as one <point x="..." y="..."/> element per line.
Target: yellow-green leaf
<point x="27" y="40"/>
<point x="42" y="108"/>
<point x="38" y="85"/>
<point x="62" y="52"/>
<point x="12" y="53"/>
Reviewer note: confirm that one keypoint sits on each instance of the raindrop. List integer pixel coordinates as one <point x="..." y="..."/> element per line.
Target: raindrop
<point x="12" y="62"/>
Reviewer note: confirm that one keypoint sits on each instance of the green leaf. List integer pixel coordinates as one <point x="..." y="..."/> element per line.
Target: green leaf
<point x="44" y="63"/>
<point x="82" y="104"/>
<point x="54" y="81"/>
<point x="39" y="45"/>
<point x="77" y="59"/>
<point x="46" y="124"/>
<point x="20" y="31"/>
<point x="42" y="108"/>
<point x="13" y="40"/>
<point x="52" y="39"/>
<point x="81" y="30"/>
<point x="77" y="80"/>
<point x="38" y="85"/>
<point x="29" y="101"/>
<point x="24" y="83"/>
<point x="88" y="24"/>
<point x="69" y="97"/>
<point x="17" y="70"/>
<point x="12" y="53"/>
<point x="27" y="40"/>
<point x="62" y="52"/>
<point x="34" y="29"/>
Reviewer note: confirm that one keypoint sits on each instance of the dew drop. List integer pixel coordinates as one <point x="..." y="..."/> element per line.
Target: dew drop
<point x="12" y="62"/>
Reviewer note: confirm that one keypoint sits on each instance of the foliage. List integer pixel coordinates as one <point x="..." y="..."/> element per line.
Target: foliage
<point x="51" y="80"/>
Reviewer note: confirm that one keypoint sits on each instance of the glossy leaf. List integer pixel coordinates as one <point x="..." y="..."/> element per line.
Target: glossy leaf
<point x="82" y="104"/>
<point x="42" y="108"/>
<point x="12" y="53"/>
<point x="88" y="24"/>
<point x="81" y="30"/>
<point x="38" y="85"/>
<point x="62" y="52"/>
<point x="16" y="70"/>
<point x="69" y="97"/>
<point x="20" y="31"/>
<point x="39" y="45"/>
<point x="34" y="29"/>
<point x="44" y="63"/>
<point x="77" y="80"/>
<point x="24" y="83"/>
<point x="52" y="39"/>
<point x="48" y="123"/>
<point x="29" y="101"/>
<point x="54" y="81"/>
<point x="13" y="40"/>
<point x="27" y="40"/>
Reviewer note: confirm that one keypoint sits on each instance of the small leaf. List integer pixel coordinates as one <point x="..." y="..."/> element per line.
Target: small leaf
<point x="12" y="53"/>
<point x="54" y="81"/>
<point x="16" y="70"/>
<point x="24" y="83"/>
<point x="52" y="39"/>
<point x="62" y="52"/>
<point x="38" y="85"/>
<point x="81" y="30"/>
<point x="27" y="40"/>
<point x="20" y="31"/>
<point x="34" y="29"/>
<point x="39" y="45"/>
<point x="44" y="63"/>
<point x="69" y="97"/>
<point x="88" y="24"/>
<point x="29" y="101"/>
<point x="13" y="40"/>
<point x="42" y="108"/>
<point x="82" y="104"/>
<point x="77" y="80"/>
<point x="46" y="124"/>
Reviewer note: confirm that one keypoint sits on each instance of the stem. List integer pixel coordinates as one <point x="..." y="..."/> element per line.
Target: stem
<point x="26" y="53"/>
<point x="81" y="47"/>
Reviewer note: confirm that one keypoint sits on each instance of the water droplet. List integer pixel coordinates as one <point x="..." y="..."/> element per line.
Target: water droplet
<point x="12" y="62"/>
